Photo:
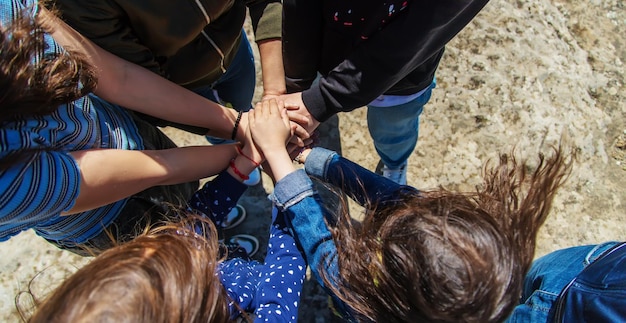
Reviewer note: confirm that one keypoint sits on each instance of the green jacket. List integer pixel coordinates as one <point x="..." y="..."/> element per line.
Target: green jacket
<point x="190" y="42"/>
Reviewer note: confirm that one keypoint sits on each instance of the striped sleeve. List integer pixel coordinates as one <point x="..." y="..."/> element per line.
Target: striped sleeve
<point x="37" y="191"/>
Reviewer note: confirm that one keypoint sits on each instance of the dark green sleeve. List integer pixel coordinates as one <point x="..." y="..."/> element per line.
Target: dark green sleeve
<point x="266" y="19"/>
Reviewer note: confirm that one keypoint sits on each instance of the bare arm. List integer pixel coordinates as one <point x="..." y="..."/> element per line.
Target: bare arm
<point x="272" y="69"/>
<point x="133" y="87"/>
<point x="108" y="175"/>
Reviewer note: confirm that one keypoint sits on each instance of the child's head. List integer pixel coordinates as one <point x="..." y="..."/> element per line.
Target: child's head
<point x="166" y="275"/>
<point x="35" y="85"/>
<point x="445" y="256"/>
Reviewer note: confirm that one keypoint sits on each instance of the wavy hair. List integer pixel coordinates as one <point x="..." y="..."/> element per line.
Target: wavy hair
<point x="167" y="274"/>
<point x="33" y="84"/>
<point x="441" y="256"/>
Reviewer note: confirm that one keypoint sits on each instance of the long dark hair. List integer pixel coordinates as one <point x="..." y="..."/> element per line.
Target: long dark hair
<point x="33" y="84"/>
<point x="442" y="256"/>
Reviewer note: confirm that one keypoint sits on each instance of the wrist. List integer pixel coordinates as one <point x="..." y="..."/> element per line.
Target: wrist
<point x="240" y="168"/>
<point x="280" y="164"/>
<point x="250" y="154"/>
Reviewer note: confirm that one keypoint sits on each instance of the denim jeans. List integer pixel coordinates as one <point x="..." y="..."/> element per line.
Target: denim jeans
<point x="548" y="276"/>
<point x="395" y="129"/>
<point x="235" y="88"/>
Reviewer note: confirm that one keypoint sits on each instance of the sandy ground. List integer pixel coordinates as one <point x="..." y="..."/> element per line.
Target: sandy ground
<point x="523" y="73"/>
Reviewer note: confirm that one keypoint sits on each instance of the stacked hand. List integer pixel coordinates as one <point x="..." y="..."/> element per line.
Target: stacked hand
<point x="271" y="130"/>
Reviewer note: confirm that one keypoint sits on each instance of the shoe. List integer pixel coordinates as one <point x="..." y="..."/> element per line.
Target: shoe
<point x="397" y="175"/>
<point x="234" y="218"/>
<point x="242" y="242"/>
<point x="254" y="177"/>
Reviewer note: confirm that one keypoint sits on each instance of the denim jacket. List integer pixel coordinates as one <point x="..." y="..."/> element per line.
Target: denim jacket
<point x="296" y="197"/>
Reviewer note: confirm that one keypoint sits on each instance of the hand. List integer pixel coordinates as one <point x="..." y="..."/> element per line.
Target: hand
<point x="270" y="126"/>
<point x="249" y="149"/>
<point x="300" y="117"/>
<point x="301" y="155"/>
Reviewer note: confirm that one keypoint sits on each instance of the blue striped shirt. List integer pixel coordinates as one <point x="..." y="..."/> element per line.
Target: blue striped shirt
<point x="36" y="190"/>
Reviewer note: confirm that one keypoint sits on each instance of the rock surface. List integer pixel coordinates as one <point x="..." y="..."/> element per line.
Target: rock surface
<point x="523" y="74"/>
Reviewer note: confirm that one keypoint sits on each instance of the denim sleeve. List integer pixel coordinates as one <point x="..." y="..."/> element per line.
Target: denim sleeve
<point x="217" y="197"/>
<point x="359" y="183"/>
<point x="295" y="197"/>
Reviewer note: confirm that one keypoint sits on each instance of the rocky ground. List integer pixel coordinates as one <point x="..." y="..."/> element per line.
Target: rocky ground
<point x="524" y="74"/>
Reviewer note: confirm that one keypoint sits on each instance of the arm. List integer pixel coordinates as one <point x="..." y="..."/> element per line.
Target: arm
<point x="270" y="52"/>
<point x="266" y="17"/>
<point x="293" y="193"/>
<point x="362" y="185"/>
<point x="108" y="175"/>
<point x="389" y="55"/>
<point x="136" y="88"/>
<point x="218" y="196"/>
<point x="283" y="275"/>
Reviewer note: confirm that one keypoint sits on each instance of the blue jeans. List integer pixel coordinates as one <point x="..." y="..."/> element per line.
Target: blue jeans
<point x="548" y="276"/>
<point x="235" y="88"/>
<point x="395" y="129"/>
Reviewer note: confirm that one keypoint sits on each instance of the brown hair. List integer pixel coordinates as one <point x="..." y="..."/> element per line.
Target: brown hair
<point x="33" y="84"/>
<point x="440" y="256"/>
<point x="167" y="274"/>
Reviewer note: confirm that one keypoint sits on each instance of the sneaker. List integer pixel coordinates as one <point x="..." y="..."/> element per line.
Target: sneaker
<point x="254" y="177"/>
<point x="248" y="243"/>
<point x="234" y="218"/>
<point x="397" y="175"/>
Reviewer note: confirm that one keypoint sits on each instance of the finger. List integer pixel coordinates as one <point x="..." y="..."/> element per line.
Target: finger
<point x="297" y="117"/>
<point x="300" y="131"/>
<point x="265" y="108"/>
<point x="295" y="140"/>
<point x="292" y="106"/>
<point x="308" y="141"/>
<point x="274" y="108"/>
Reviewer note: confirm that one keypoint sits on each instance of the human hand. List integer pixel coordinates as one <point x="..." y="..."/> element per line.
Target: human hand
<point x="300" y="116"/>
<point x="270" y="126"/>
<point x="249" y="149"/>
<point x="301" y="155"/>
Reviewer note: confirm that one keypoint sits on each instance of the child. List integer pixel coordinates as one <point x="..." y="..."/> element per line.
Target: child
<point x="75" y="162"/>
<point x="173" y="273"/>
<point x="418" y="255"/>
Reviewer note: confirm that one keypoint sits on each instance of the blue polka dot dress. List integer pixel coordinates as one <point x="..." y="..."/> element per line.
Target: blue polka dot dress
<point x="270" y="290"/>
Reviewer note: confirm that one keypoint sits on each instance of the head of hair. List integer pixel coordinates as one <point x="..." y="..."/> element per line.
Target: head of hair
<point x="167" y="274"/>
<point x="441" y="256"/>
<point x="33" y="84"/>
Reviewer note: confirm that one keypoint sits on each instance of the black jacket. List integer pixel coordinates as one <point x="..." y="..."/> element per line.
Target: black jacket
<point x="365" y="48"/>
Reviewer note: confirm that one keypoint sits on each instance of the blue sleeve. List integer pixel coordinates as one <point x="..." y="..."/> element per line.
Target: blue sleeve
<point x="295" y="197"/>
<point x="37" y="190"/>
<point x="272" y="290"/>
<point x="217" y="197"/>
<point x="360" y="184"/>
<point x="281" y="281"/>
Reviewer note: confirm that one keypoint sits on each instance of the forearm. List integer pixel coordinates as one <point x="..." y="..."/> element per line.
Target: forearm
<point x="361" y="184"/>
<point x="133" y="87"/>
<point x="295" y="196"/>
<point x="272" y="68"/>
<point x="108" y="175"/>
